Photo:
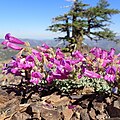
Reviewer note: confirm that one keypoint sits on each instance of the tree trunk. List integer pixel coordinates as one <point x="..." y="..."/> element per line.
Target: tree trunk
<point x="79" y="43"/>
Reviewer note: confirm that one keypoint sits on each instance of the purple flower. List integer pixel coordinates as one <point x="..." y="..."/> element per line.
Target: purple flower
<point x="59" y="76"/>
<point x="66" y="65"/>
<point x="111" y="53"/>
<point x="104" y="54"/>
<point x="29" y="62"/>
<point x="78" y="55"/>
<point x="42" y="49"/>
<point x="49" y="65"/>
<point x="118" y="55"/>
<point x="96" y="51"/>
<point x="11" y="45"/>
<point x="36" y="77"/>
<point x="16" y="71"/>
<point x="37" y="54"/>
<point x="59" y="54"/>
<point x="110" y="74"/>
<point x="30" y="58"/>
<point x="91" y="74"/>
<point x="105" y="62"/>
<point x="54" y="61"/>
<point x="26" y="63"/>
<point x="13" y="39"/>
<point x="45" y="46"/>
<point x="50" y="78"/>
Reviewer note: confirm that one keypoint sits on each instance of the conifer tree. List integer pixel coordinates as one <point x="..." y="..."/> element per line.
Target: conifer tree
<point x="82" y="21"/>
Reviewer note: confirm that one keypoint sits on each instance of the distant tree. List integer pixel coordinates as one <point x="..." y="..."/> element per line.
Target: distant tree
<point x="82" y="21"/>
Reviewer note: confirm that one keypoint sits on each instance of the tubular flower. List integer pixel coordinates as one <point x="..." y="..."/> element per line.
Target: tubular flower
<point x="44" y="48"/>
<point x="91" y="74"/>
<point x="11" y="45"/>
<point x="29" y="62"/>
<point x="36" y="77"/>
<point x="104" y="54"/>
<point x="96" y="52"/>
<point x="78" y="55"/>
<point x="13" y="39"/>
<point x="111" y="53"/>
<point x="59" y="54"/>
<point x="110" y="74"/>
<point x="37" y="54"/>
<point x="11" y="42"/>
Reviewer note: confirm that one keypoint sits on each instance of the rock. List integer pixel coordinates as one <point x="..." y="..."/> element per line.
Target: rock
<point x="87" y="90"/>
<point x="3" y="99"/>
<point x="108" y="100"/>
<point x="99" y="107"/>
<point x="23" y="107"/>
<point x="113" y="111"/>
<point x="112" y="119"/>
<point x="92" y="114"/>
<point x="67" y="114"/>
<point x="35" y="110"/>
<point x="101" y="117"/>
<point x="63" y="101"/>
<point x="77" y="114"/>
<point x="35" y="97"/>
<point x="39" y="110"/>
<point x="84" y="115"/>
<point x="76" y="97"/>
<point x="78" y="111"/>
<point x="48" y="114"/>
<point x="56" y="100"/>
<point x="21" y="116"/>
<point x="116" y="104"/>
<point x="85" y="103"/>
<point x="9" y="109"/>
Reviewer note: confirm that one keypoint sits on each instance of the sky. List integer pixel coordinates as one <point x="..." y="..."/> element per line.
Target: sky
<point x="31" y="18"/>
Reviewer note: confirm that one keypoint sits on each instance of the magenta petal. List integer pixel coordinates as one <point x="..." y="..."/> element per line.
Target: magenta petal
<point x="91" y="74"/>
<point x="111" y="70"/>
<point x="30" y="58"/>
<point x="79" y="76"/>
<point x="14" y="46"/>
<point x="105" y="62"/>
<point x="34" y="80"/>
<point x="59" y="54"/>
<point x="42" y="49"/>
<point x="36" y="75"/>
<point x="50" y="78"/>
<point x="110" y="77"/>
<point x="104" y="54"/>
<point x="96" y="51"/>
<point x="118" y="55"/>
<point x="37" y="54"/>
<point x="45" y="46"/>
<point x="65" y="65"/>
<point x="49" y="65"/>
<point x="59" y="76"/>
<point x="13" y="39"/>
<point x="5" y="42"/>
<point x="111" y="53"/>
<point x="77" y="54"/>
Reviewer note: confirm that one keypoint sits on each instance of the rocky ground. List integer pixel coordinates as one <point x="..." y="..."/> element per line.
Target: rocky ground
<point x="34" y="106"/>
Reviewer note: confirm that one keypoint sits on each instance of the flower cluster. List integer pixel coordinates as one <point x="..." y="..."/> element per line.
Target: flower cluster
<point x="45" y="63"/>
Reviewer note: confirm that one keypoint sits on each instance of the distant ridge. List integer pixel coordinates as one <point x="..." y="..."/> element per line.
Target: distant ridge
<point x="104" y="44"/>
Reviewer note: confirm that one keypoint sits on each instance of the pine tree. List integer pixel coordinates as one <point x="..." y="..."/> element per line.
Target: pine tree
<point x="83" y="20"/>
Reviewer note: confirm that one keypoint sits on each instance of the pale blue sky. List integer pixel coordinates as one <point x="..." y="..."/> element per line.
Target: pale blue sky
<point x="31" y="18"/>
